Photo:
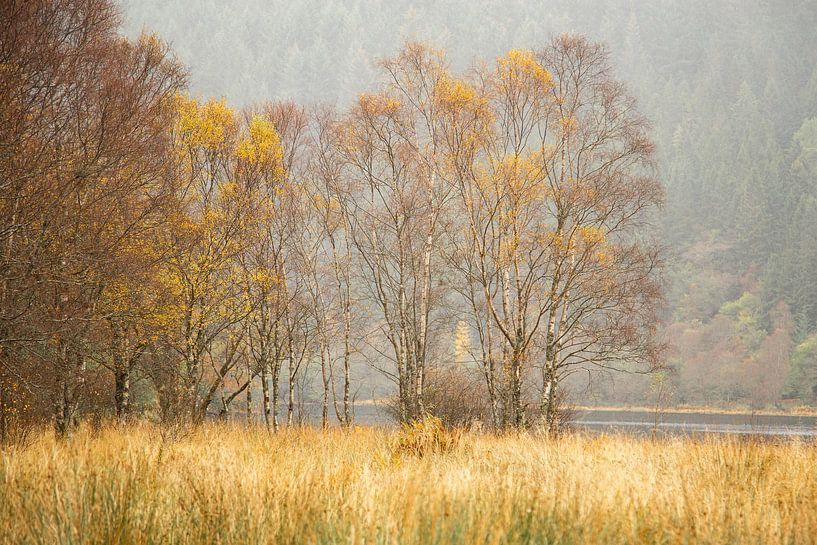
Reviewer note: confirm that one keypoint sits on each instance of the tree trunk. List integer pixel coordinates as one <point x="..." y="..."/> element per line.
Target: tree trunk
<point x="265" y="394"/>
<point x="343" y="292"/>
<point x="192" y="373"/>
<point x="425" y="308"/>
<point x="293" y="369"/>
<point x="225" y="407"/>
<point x="71" y="387"/>
<point x="549" y="354"/>
<point x="191" y="359"/>
<point x="516" y="390"/>
<point x="291" y="390"/>
<point x="276" y="374"/>
<point x="120" y="361"/>
<point x="3" y="410"/>
<point x="554" y="347"/>
<point x="63" y="412"/>
<point x="249" y="400"/>
<point x="549" y="394"/>
<point x="122" y="393"/>
<point x="325" y="379"/>
<point x="347" y="410"/>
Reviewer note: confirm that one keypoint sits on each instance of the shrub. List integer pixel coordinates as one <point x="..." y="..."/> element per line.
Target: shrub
<point x="457" y="396"/>
<point x="423" y="437"/>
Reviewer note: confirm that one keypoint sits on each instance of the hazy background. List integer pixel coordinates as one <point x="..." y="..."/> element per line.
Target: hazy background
<point x="731" y="87"/>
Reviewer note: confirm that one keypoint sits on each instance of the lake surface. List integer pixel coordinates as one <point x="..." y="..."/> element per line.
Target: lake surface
<point x="648" y="422"/>
<point x="692" y="423"/>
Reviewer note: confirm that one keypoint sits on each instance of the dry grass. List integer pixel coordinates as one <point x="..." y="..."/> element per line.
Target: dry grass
<point x="236" y="485"/>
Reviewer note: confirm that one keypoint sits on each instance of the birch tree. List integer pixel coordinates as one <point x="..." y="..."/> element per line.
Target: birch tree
<point x="391" y="146"/>
<point x="553" y="245"/>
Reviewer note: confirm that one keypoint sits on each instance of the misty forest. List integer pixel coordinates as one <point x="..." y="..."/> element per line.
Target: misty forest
<point x="730" y="92"/>
<point x="408" y="272"/>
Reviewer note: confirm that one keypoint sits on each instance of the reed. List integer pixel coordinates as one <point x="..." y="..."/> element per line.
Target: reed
<point x="228" y="484"/>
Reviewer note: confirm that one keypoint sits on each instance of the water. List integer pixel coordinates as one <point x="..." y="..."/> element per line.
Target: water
<point x="638" y="422"/>
<point x="692" y="423"/>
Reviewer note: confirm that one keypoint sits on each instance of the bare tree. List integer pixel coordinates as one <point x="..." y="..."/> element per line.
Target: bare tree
<point x="555" y="249"/>
<point x="391" y="145"/>
<point x="332" y="249"/>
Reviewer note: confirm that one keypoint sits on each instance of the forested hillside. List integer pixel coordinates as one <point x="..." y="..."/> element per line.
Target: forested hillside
<point x="731" y="89"/>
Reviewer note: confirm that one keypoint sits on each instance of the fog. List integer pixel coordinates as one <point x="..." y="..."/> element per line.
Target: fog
<point x="730" y="88"/>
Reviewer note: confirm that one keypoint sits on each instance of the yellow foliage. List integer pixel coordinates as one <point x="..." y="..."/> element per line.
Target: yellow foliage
<point x="374" y="105"/>
<point x="262" y="145"/>
<point x="151" y="43"/>
<point x="205" y="125"/>
<point x="521" y="175"/>
<point x="262" y="277"/>
<point x="555" y="239"/>
<point x="521" y="66"/>
<point x="591" y="235"/>
<point x="320" y="202"/>
<point x="604" y="258"/>
<point x="568" y="124"/>
<point x="454" y="93"/>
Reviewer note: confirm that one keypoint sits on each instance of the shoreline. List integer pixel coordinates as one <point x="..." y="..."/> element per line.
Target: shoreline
<point x="680" y="409"/>
<point x="688" y="409"/>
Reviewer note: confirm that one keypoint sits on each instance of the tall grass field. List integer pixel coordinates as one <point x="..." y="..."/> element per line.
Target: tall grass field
<point x="225" y="484"/>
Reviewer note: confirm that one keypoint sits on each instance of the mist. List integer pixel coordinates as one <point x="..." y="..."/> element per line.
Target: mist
<point x="730" y="89"/>
<point x="408" y="273"/>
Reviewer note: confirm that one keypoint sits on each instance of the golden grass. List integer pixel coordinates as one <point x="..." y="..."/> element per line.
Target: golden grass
<point x="223" y="484"/>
